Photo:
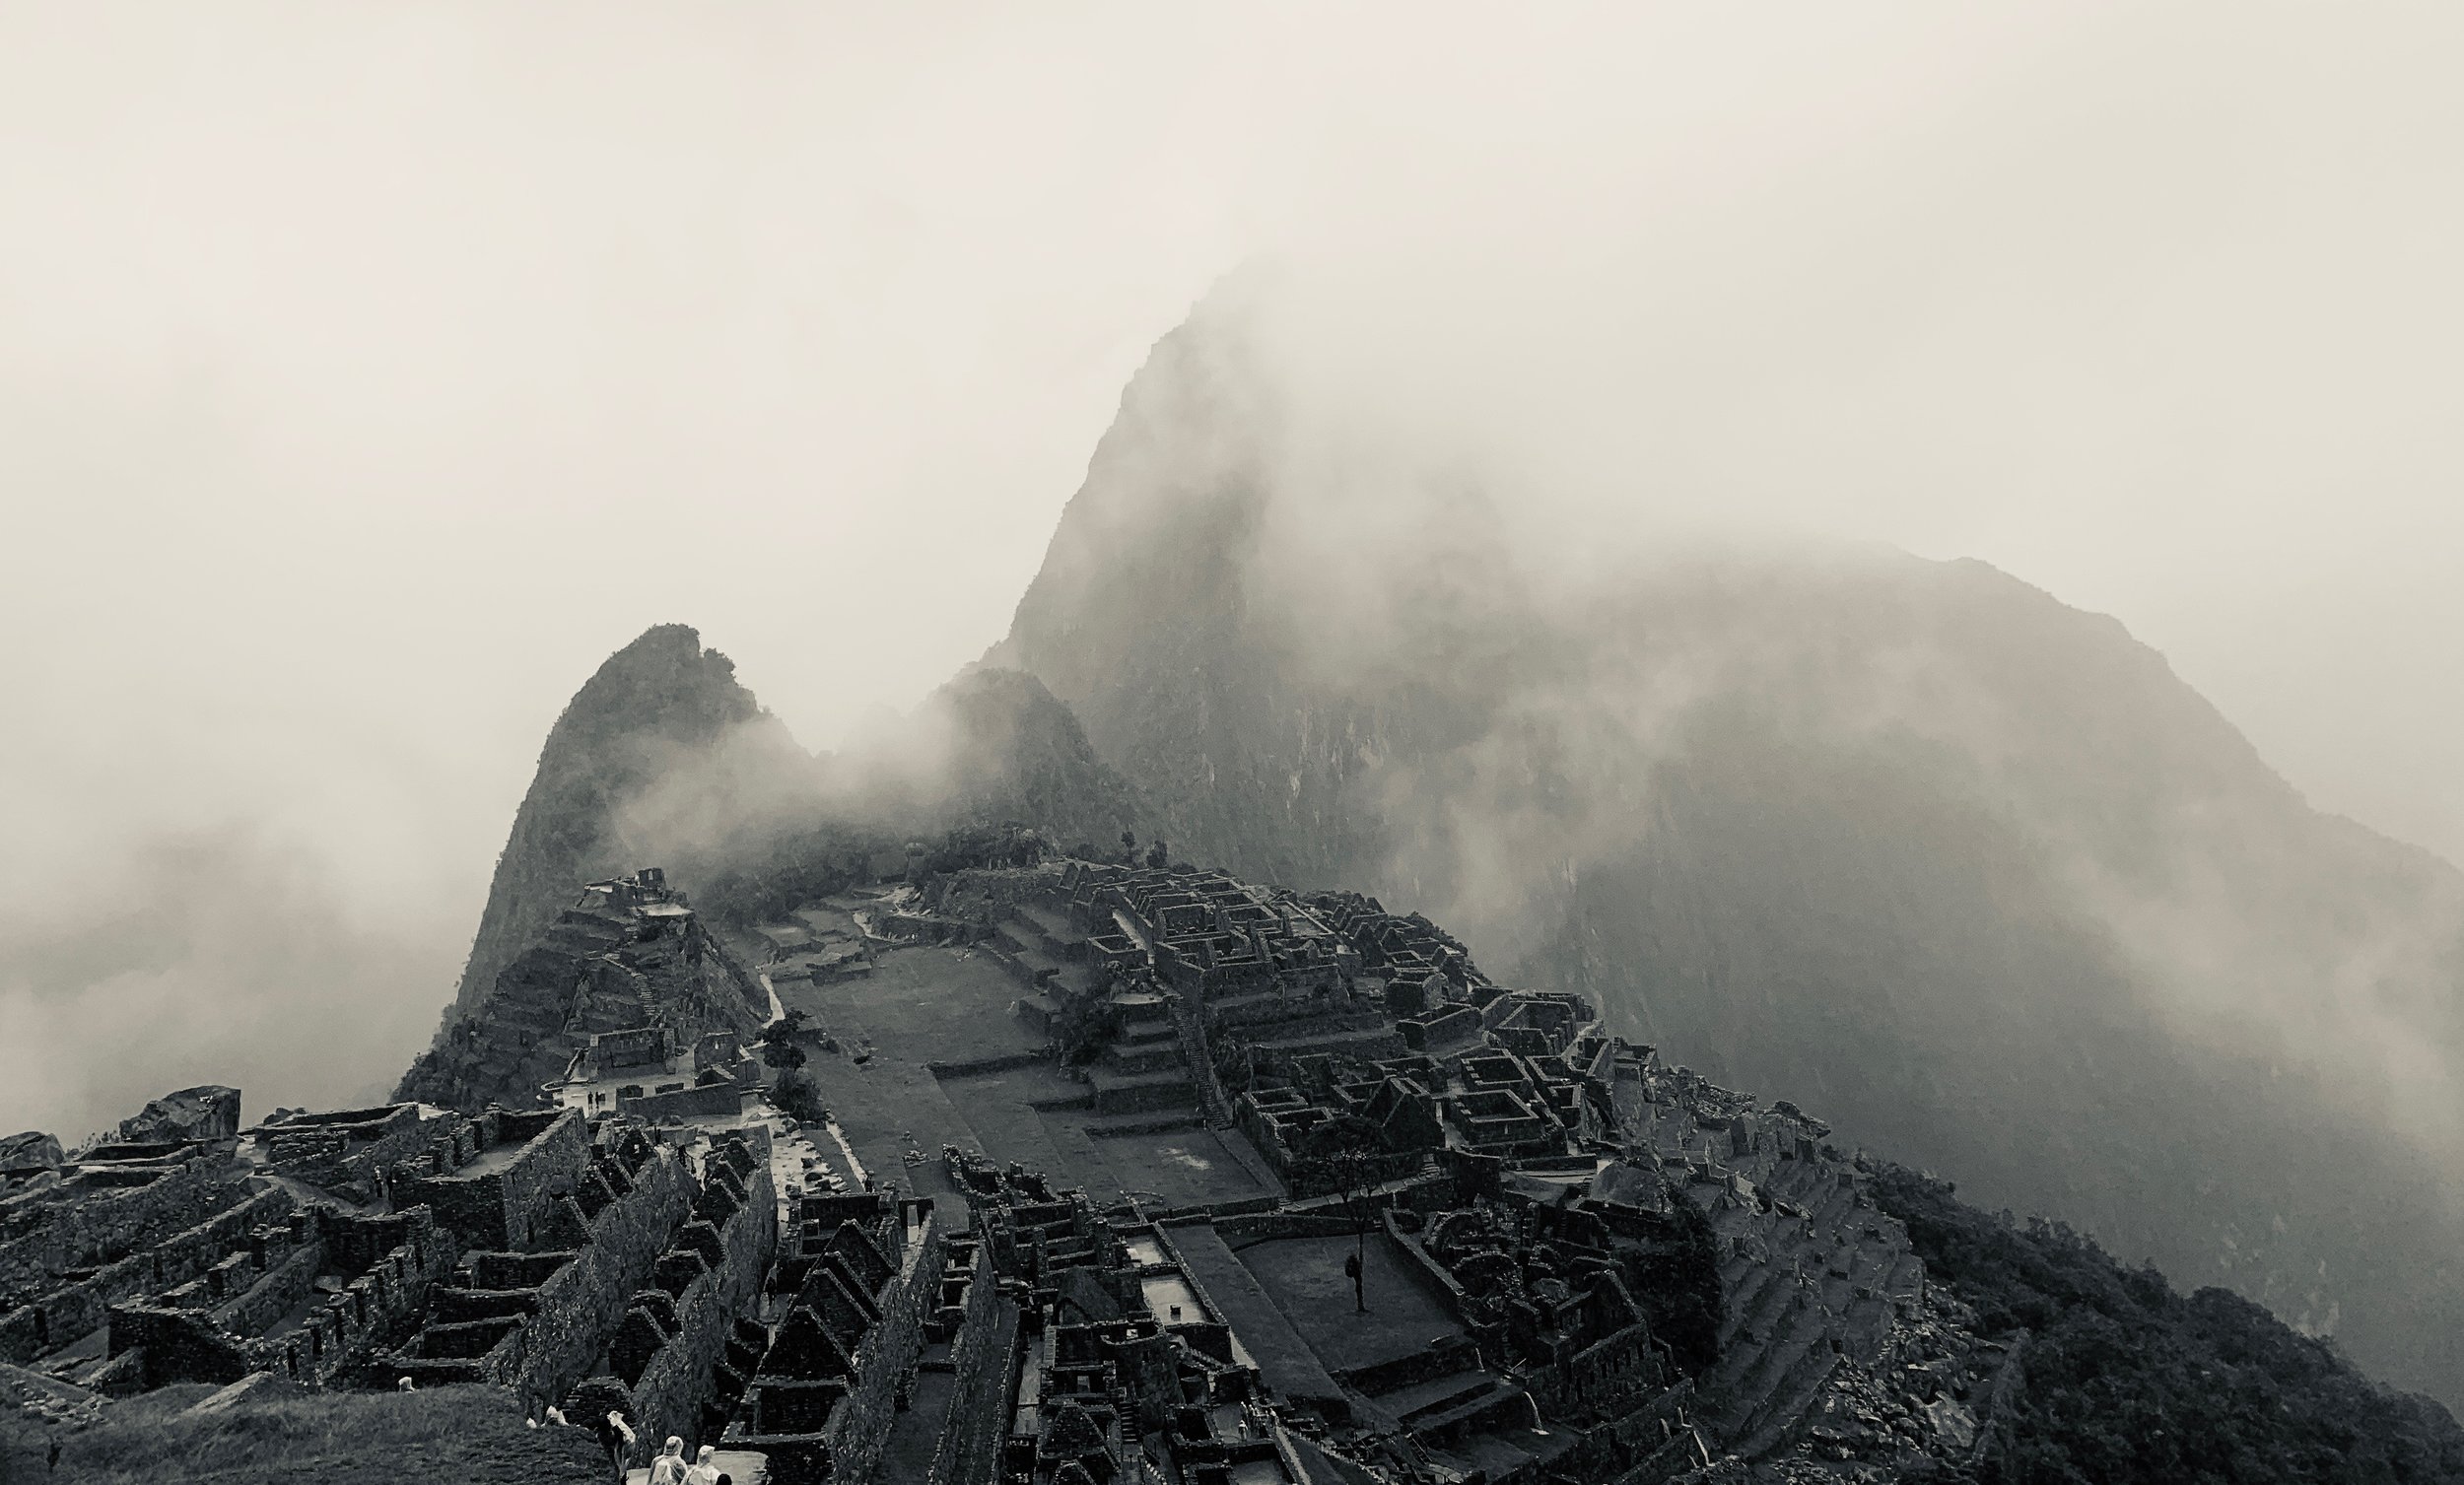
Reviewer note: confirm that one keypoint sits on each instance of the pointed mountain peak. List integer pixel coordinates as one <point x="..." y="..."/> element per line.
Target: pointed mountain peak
<point x="660" y="709"/>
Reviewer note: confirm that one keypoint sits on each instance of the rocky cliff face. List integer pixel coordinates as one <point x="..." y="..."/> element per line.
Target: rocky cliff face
<point x="1913" y="841"/>
<point x="1017" y="752"/>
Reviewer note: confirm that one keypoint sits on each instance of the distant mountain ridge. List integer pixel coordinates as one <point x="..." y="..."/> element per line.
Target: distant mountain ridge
<point x="1969" y="869"/>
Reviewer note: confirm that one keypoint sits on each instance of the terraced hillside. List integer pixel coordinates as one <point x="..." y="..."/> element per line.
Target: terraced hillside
<point x="623" y="958"/>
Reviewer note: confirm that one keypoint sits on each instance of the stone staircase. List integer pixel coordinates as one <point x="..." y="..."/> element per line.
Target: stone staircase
<point x="1144" y="1068"/>
<point x="1447" y="1402"/>
<point x="1145" y="1046"/>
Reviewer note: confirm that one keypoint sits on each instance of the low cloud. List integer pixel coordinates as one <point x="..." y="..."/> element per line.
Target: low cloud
<point x="215" y="957"/>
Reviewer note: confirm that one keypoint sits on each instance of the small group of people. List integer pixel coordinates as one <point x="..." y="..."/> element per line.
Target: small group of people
<point x="670" y="1468"/>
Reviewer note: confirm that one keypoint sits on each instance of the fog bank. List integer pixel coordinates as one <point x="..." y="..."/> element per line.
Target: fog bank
<point x="367" y="375"/>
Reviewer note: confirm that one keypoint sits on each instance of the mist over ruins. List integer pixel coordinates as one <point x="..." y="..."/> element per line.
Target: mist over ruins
<point x="1298" y="750"/>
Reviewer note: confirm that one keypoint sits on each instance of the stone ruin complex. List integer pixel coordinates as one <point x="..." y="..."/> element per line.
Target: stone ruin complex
<point x="630" y="961"/>
<point x="1574" y="1262"/>
<point x="1537" y="1184"/>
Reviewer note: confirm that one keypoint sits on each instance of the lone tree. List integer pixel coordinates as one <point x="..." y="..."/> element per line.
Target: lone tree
<point x="778" y="1043"/>
<point x="1348" y="1149"/>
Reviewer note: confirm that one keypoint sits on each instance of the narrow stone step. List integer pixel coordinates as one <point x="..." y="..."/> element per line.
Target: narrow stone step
<point x="1496" y="1400"/>
<point x="1435" y="1393"/>
<point x="1162" y="1057"/>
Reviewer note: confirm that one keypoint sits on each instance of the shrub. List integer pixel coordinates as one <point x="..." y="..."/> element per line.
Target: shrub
<point x="800" y="1097"/>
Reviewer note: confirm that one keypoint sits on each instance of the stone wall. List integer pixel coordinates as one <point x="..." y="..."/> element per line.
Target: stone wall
<point x="710" y="1100"/>
<point x="502" y="1204"/>
<point x="979" y="1412"/>
<point x="610" y="1052"/>
<point x="538" y="1321"/>
<point x="59" y="1229"/>
<point x="1422" y="1267"/>
<point x="177" y="1345"/>
<point x="379" y="1304"/>
<point x="75" y="1308"/>
<point x="823" y="1401"/>
<point x="670" y="1390"/>
<point x="583" y="1302"/>
<point x="861" y="1423"/>
<point x="350" y="1150"/>
<point x="357" y="1242"/>
<point x="1601" y="1380"/>
<point x="1239" y="1232"/>
<point x="279" y="1287"/>
<point x="201" y="1330"/>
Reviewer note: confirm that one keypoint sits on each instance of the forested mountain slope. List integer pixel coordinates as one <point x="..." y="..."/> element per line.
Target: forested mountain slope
<point x="1971" y="870"/>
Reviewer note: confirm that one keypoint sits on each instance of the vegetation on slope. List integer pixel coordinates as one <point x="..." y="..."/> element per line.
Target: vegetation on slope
<point x="2124" y="1380"/>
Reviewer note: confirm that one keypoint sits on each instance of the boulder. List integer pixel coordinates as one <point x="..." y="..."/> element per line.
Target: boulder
<point x="256" y="1386"/>
<point x="33" y="1150"/>
<point x="207" y="1112"/>
<point x="1955" y="1424"/>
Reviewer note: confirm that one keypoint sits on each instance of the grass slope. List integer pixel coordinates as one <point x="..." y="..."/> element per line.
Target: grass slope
<point x="444" y="1436"/>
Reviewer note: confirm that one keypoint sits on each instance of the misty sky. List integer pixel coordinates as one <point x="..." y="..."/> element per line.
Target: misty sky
<point x="367" y="372"/>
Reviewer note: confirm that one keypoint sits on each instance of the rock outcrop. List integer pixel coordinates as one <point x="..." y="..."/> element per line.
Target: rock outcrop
<point x="663" y="756"/>
<point x="1971" y="868"/>
<point x="207" y="1112"/>
<point x="31" y="1151"/>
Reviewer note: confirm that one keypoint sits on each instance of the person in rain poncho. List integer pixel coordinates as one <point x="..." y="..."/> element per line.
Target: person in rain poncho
<point x="705" y="1470"/>
<point x="618" y="1436"/>
<point x="668" y="1467"/>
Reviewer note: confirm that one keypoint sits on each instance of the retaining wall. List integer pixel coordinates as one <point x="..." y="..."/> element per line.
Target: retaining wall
<point x="76" y="1230"/>
<point x="670" y="1391"/>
